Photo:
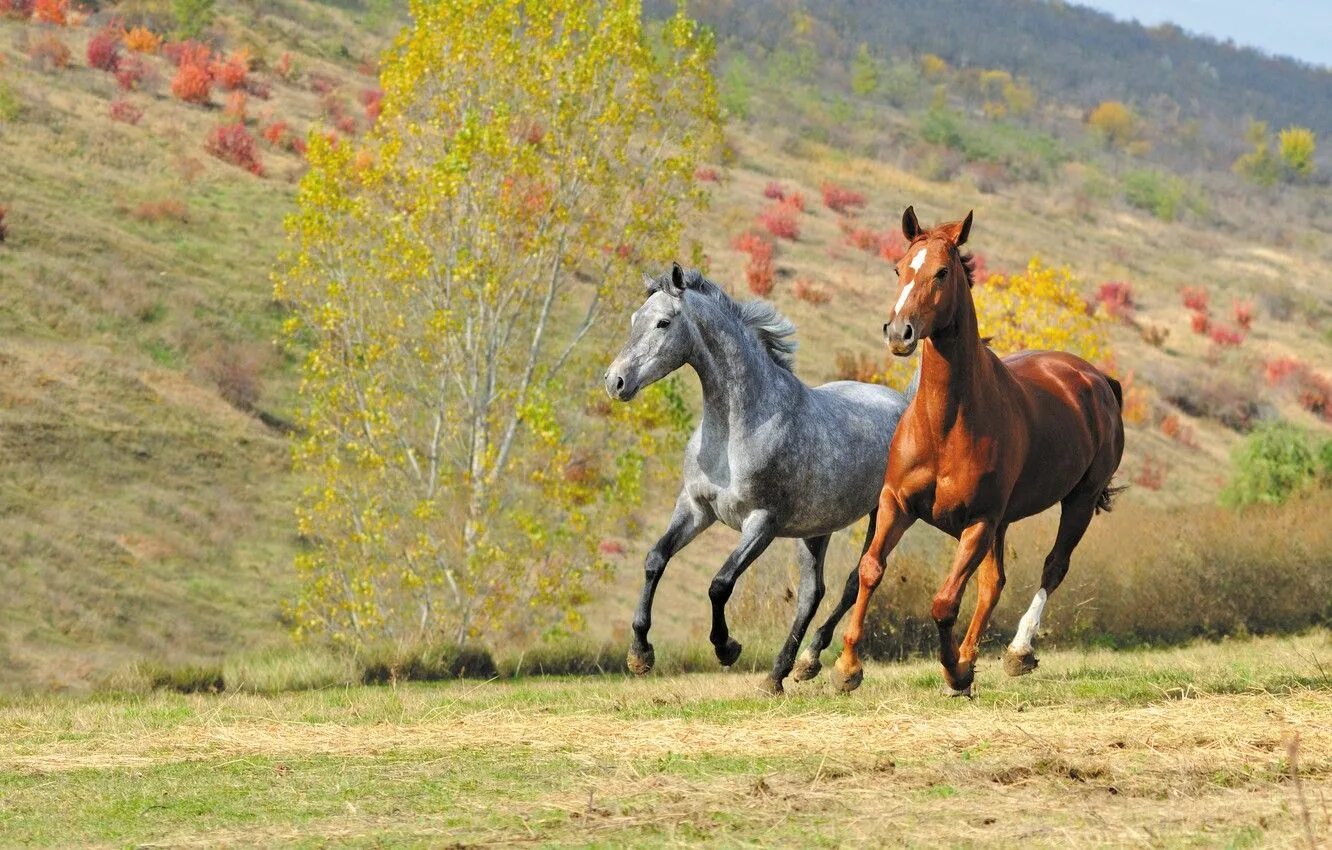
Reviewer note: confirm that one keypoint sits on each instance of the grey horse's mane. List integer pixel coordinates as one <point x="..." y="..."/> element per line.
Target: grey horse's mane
<point x="773" y="330"/>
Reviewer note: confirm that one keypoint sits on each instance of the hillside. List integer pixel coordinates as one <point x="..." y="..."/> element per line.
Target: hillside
<point x="145" y="487"/>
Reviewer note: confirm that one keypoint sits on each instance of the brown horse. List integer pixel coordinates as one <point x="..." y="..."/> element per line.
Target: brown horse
<point x="986" y="442"/>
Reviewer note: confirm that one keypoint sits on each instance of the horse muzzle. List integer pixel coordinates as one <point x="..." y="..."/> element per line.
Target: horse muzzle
<point x="620" y="388"/>
<point x="901" y="337"/>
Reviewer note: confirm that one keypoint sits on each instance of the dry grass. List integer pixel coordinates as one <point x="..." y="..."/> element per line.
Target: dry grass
<point x="1165" y="748"/>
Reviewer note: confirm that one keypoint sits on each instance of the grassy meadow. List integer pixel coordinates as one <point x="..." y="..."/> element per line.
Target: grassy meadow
<point x="1226" y="745"/>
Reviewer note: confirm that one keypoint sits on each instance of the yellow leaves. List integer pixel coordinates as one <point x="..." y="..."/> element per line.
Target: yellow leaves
<point x="1041" y="308"/>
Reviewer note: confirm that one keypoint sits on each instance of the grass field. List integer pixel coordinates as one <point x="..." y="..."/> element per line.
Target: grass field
<point x="1185" y="747"/>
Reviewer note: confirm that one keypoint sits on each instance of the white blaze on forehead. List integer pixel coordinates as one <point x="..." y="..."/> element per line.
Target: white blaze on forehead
<point x="1027" y="626"/>
<point x="916" y="262"/>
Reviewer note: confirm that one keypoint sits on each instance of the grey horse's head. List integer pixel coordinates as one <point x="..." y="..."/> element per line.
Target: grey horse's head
<point x="659" y="340"/>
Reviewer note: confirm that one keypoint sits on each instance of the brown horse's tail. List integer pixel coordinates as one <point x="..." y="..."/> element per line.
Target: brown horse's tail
<point x="1106" y="501"/>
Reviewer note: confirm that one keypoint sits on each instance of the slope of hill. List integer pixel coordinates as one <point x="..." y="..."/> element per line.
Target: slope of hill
<point x="145" y="492"/>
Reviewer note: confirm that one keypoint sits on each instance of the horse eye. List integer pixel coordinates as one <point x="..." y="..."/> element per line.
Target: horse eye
<point x="941" y="274"/>
<point x="664" y="323"/>
<point x="897" y="271"/>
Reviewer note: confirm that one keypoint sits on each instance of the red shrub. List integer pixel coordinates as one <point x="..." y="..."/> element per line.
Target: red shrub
<point x="795" y="201"/>
<point x="611" y="548"/>
<point x="4" y="230"/>
<point x="1195" y="298"/>
<point x="780" y="220"/>
<point x="774" y="191"/>
<point x="233" y="143"/>
<point x="892" y="246"/>
<point x="104" y="48"/>
<point x="862" y="238"/>
<point x="297" y="145"/>
<point x="1226" y="336"/>
<point x="810" y="292"/>
<point x="1200" y="323"/>
<point x="841" y="201"/>
<point x="1279" y="370"/>
<point x="753" y="244"/>
<point x="1243" y="311"/>
<point x="131" y="73"/>
<point x="758" y="275"/>
<point x="231" y="73"/>
<point x="48" y="52"/>
<point x="192" y="83"/>
<point x="18" y="9"/>
<point x="276" y="133"/>
<point x="51" y="12"/>
<point x="707" y="174"/>
<point x="125" y="112"/>
<point x="373" y="101"/>
<point x="1116" y="297"/>
<point x="1152" y="475"/>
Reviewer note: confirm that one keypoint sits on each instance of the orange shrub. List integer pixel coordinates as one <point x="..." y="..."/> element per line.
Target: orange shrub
<point x="141" y="40"/>
<point x="192" y="83"/>
<point x="231" y="73"/>
<point x="1279" y="370"/>
<point x="276" y="133"/>
<point x="47" y="52"/>
<point x="188" y="52"/>
<point x="1177" y="430"/>
<point x="795" y="201"/>
<point x="1136" y="406"/>
<point x="51" y="12"/>
<point x="759" y="277"/>
<point x="233" y="143"/>
<point x="753" y="244"/>
<point x="235" y="108"/>
<point x="346" y="124"/>
<point x="810" y="292"/>
<point x="373" y="101"/>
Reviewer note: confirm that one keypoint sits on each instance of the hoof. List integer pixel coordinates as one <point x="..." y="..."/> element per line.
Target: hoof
<point x="641" y="659"/>
<point x="729" y="652"/>
<point x="844" y="683"/>
<point x="959" y="685"/>
<point x="806" y="667"/>
<point x="1019" y="664"/>
<point x="771" y="687"/>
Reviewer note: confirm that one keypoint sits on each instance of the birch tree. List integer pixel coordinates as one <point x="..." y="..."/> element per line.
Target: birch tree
<point x="449" y="280"/>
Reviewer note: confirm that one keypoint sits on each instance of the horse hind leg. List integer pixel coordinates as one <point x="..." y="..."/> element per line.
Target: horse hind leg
<point x="810" y="552"/>
<point x="808" y="665"/>
<point x="1075" y="515"/>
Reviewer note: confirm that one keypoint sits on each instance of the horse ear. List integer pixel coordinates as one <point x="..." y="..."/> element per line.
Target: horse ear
<point x="910" y="225"/>
<point x="965" y="230"/>
<point x="677" y="280"/>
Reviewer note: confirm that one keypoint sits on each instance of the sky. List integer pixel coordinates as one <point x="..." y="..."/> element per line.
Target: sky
<point x="1298" y="28"/>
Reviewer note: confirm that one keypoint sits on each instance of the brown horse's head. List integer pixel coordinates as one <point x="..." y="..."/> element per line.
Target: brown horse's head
<point x="932" y="279"/>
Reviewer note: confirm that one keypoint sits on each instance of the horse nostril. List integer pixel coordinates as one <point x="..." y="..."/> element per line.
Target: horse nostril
<point x="885" y="329"/>
<point x="619" y="384"/>
<point x="907" y="333"/>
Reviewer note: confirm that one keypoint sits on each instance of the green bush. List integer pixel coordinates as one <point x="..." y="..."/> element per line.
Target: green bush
<point x="1163" y="195"/>
<point x="1028" y="154"/>
<point x="1271" y="464"/>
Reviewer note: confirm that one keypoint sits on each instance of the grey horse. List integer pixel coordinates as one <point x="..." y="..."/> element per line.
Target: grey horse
<point x="770" y="458"/>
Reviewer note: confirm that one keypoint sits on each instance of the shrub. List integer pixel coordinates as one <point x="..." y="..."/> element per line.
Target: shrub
<point x="1226" y="336"/>
<point x="141" y="40"/>
<point x="231" y="73"/>
<point x="1200" y="323"/>
<point x="185" y="679"/>
<point x="1116" y="297"/>
<point x="130" y="73"/>
<point x="346" y="124"/>
<point x="125" y="112"/>
<point x="1315" y="395"/>
<point x="48" y="53"/>
<point x="1153" y="334"/>
<point x="188" y="52"/>
<point x="1163" y="195"/>
<point x="759" y="276"/>
<point x="104" y="48"/>
<point x="233" y="143"/>
<point x="167" y="209"/>
<point x="781" y="221"/>
<point x="753" y="244"/>
<point x="236" y="371"/>
<point x="1152" y="474"/>
<point x="192" y="83"/>
<point x="841" y="200"/>
<point x="276" y="133"/>
<point x="258" y="88"/>
<point x="1195" y="298"/>
<point x="322" y="84"/>
<point x="795" y="201"/>
<point x="862" y="238"/>
<point x="1270" y="465"/>
<point x="373" y="101"/>
<point x="1279" y="370"/>
<point x="55" y="12"/>
<point x="4" y="229"/>
<point x="707" y="174"/>
<point x="810" y="292"/>
<point x="192" y="15"/>
<point x="1243" y="312"/>
<point x="774" y="191"/>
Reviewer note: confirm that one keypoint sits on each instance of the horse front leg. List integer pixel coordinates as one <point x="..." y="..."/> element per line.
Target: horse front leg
<point x="893" y="521"/>
<point x="757" y="531"/>
<point x="975" y="545"/>
<point x="810" y="552"/>
<point x="689" y="519"/>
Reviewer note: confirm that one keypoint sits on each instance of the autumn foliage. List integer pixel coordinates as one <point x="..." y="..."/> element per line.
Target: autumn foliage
<point x="841" y="200"/>
<point x="1116" y="298"/>
<point x="781" y="220"/>
<point x="810" y="292"/>
<point x="233" y="144"/>
<point x="141" y="40"/>
<point x="104" y="48"/>
<point x="125" y="112"/>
